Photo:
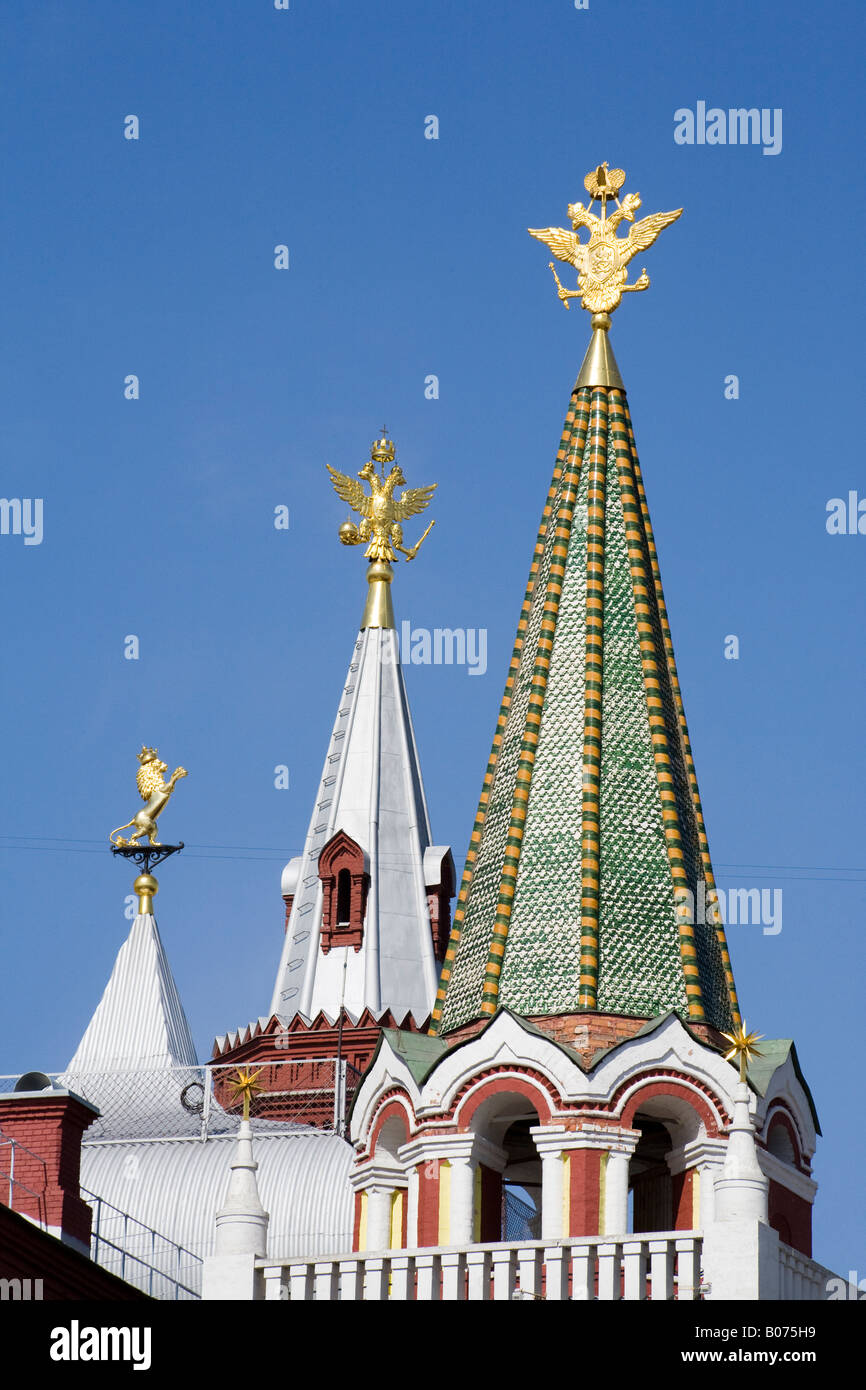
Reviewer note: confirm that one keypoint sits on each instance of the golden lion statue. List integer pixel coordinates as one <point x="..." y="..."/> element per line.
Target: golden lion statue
<point x="153" y="790"/>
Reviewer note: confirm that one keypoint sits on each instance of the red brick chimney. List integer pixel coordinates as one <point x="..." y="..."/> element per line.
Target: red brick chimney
<point x="44" y="1158"/>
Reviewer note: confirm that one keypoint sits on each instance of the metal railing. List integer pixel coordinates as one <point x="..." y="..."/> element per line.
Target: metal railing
<point x="661" y="1265"/>
<point x="17" y="1195"/>
<point x="139" y="1255"/>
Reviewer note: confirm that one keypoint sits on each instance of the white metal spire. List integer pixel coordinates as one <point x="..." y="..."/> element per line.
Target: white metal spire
<point x="371" y="789"/>
<point x="139" y="1022"/>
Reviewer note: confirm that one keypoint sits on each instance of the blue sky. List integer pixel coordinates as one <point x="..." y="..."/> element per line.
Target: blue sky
<point x="409" y="257"/>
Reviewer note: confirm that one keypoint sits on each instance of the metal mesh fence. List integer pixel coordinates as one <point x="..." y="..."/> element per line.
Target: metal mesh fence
<point x="520" y="1221"/>
<point x="195" y="1102"/>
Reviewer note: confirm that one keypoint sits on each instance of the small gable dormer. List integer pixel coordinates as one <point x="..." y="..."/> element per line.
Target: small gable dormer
<point x="439" y="879"/>
<point x="344" y="870"/>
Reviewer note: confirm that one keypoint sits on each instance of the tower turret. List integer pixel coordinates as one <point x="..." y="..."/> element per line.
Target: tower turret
<point x="368" y="899"/>
<point x="577" y="1047"/>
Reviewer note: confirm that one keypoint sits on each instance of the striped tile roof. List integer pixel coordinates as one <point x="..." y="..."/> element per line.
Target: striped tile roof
<point x="589" y="825"/>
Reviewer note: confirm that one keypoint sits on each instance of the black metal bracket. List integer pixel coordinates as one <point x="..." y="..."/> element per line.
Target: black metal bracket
<point x="146" y="856"/>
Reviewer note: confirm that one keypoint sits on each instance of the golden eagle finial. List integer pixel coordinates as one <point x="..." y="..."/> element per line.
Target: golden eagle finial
<point x="601" y="261"/>
<point x="382" y="512"/>
<point x="380" y="529"/>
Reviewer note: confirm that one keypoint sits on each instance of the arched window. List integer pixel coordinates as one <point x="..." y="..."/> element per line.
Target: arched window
<point x="344" y="898"/>
<point x="780" y="1141"/>
<point x="345" y="876"/>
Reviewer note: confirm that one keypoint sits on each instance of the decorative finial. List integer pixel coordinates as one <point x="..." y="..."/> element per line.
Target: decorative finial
<point x="245" y="1084"/>
<point x="380" y="528"/>
<point x="155" y="792"/>
<point x="601" y="261"/>
<point x="383" y="450"/>
<point x="743" y="1047"/>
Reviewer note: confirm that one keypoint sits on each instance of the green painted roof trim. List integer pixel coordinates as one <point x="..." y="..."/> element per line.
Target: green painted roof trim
<point x="422" y="1052"/>
<point x="419" y="1051"/>
<point x="774" y="1054"/>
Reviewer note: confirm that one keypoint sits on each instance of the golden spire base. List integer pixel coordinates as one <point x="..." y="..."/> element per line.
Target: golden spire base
<point x="378" y="610"/>
<point x="599" y="365"/>
<point x="147" y="888"/>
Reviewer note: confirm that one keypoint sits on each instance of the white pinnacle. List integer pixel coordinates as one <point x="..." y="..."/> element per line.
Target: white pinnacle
<point x="242" y="1223"/>
<point x="742" y="1189"/>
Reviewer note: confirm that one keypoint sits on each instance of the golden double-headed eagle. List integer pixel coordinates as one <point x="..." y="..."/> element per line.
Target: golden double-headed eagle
<point x="381" y="511"/>
<point x="601" y="262"/>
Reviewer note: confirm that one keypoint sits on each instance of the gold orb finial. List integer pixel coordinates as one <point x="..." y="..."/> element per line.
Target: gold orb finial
<point x="147" y="888"/>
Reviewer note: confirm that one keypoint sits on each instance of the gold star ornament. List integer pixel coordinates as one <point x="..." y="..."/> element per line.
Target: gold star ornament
<point x="244" y="1084"/>
<point x="743" y="1046"/>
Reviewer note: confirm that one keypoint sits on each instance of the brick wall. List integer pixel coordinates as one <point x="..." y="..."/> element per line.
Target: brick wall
<point x="49" y="1128"/>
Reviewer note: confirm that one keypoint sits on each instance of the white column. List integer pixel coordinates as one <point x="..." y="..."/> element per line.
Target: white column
<point x="462" y="1199"/>
<point x="553" y="1142"/>
<point x="552" y="1176"/>
<point x="707" y="1174"/>
<point x="379" y="1181"/>
<point x="616" y="1193"/>
<point x="379" y="1217"/>
<point x="464" y="1152"/>
<point x="705" y="1157"/>
<point x="550" y="1140"/>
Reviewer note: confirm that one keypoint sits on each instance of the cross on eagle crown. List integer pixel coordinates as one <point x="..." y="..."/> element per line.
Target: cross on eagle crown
<point x="601" y="261"/>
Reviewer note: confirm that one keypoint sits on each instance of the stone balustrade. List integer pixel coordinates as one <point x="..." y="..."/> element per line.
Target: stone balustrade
<point x="658" y="1265"/>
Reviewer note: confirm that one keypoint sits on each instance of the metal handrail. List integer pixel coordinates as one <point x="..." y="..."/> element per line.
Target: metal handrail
<point x="14" y="1182"/>
<point x="101" y="1242"/>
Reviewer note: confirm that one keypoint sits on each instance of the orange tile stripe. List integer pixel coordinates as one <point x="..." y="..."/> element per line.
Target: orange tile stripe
<point x="714" y="914"/>
<point x="570" y="448"/>
<point x="641" y="585"/>
<point x="592" y="702"/>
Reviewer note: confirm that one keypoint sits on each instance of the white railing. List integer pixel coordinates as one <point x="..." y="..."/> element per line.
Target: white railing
<point x="803" y="1281"/>
<point x="660" y="1265"/>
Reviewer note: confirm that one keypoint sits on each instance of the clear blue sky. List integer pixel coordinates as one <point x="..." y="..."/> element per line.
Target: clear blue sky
<point x="409" y="257"/>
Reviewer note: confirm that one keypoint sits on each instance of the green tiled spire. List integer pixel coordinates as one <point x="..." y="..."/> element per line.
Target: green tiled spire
<point x="589" y="842"/>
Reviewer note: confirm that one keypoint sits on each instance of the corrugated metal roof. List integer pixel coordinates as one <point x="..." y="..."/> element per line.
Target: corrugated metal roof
<point x="139" y="1021"/>
<point x="176" y="1187"/>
